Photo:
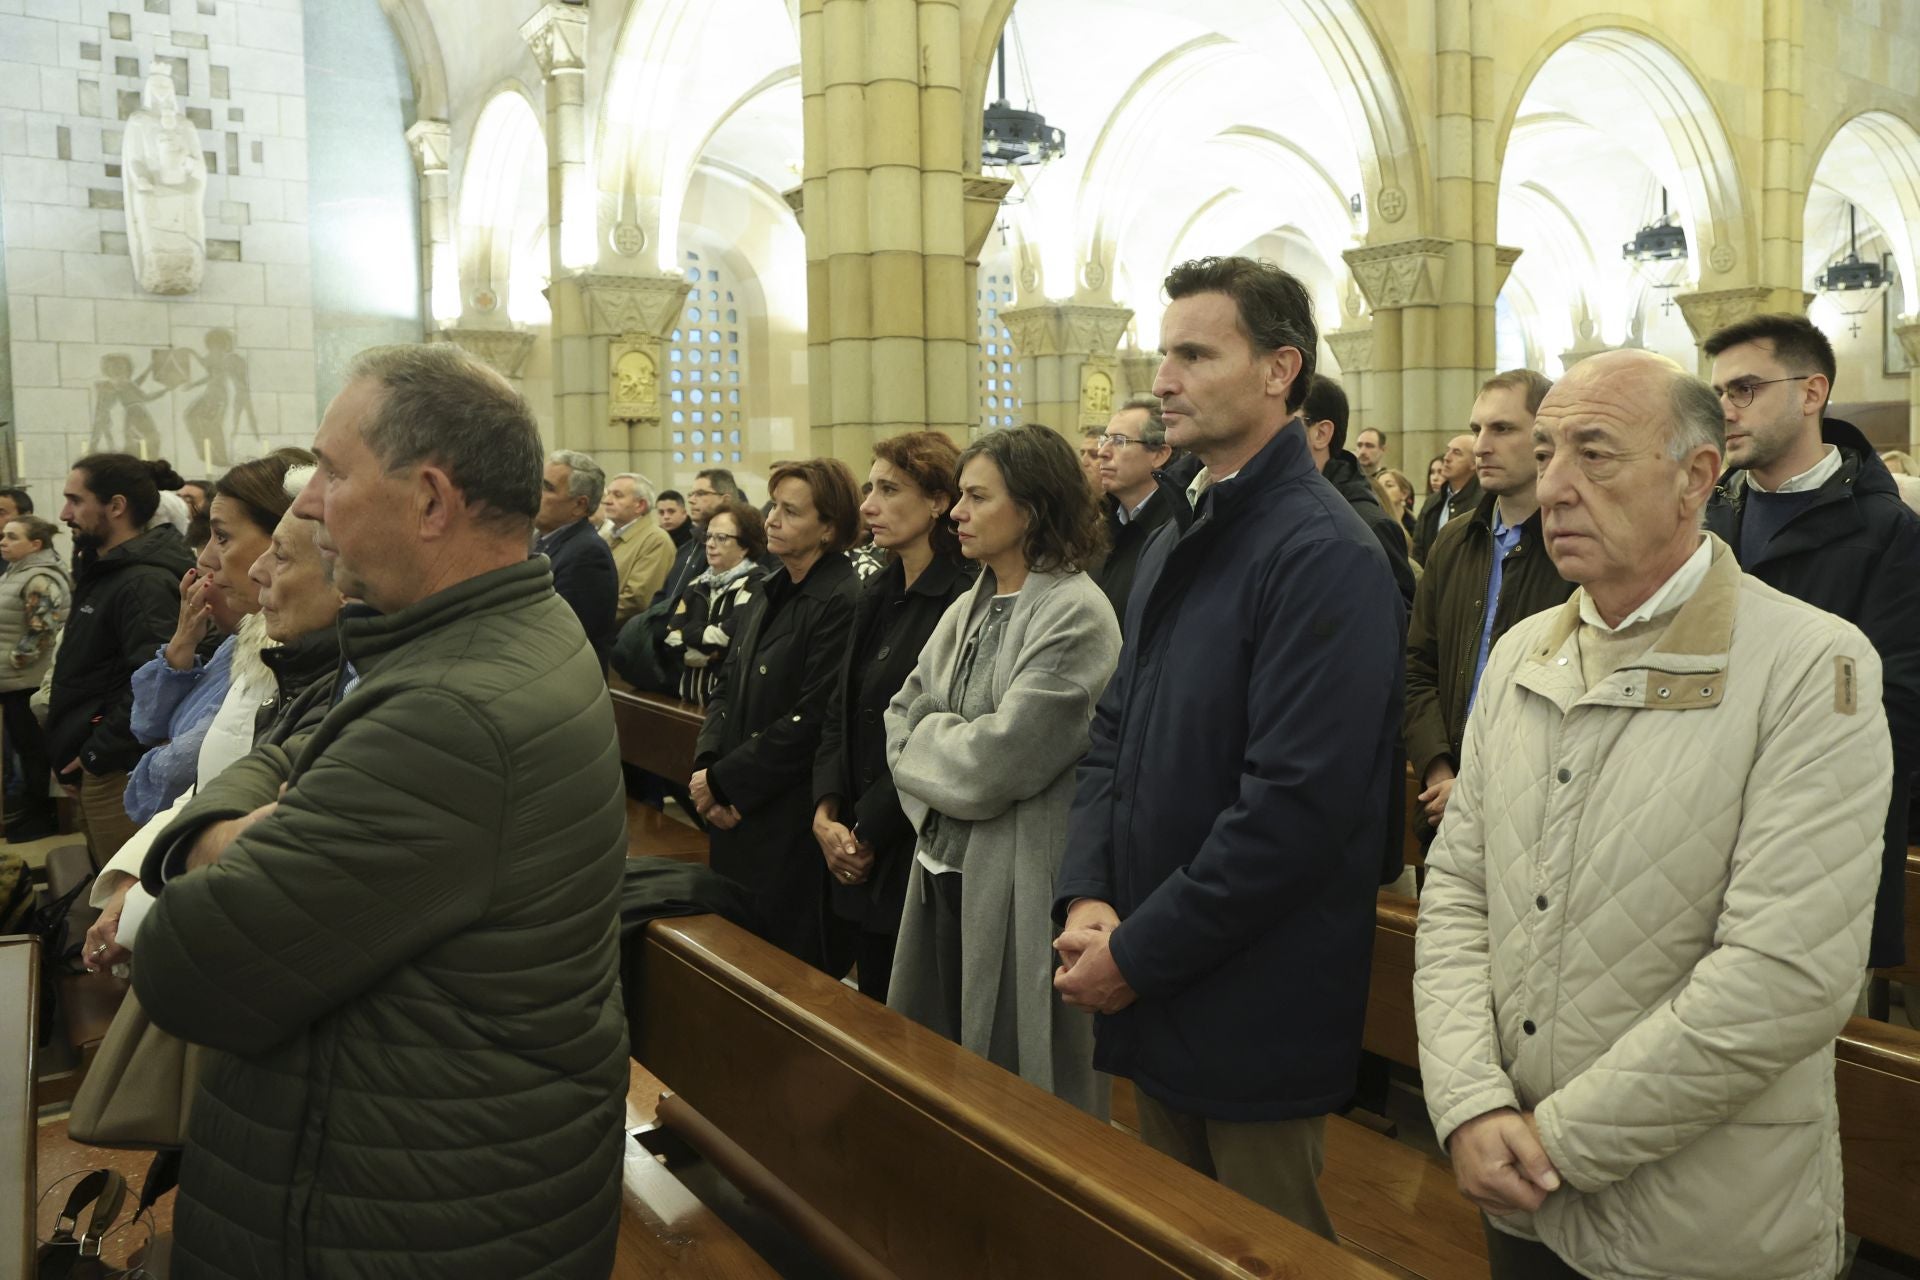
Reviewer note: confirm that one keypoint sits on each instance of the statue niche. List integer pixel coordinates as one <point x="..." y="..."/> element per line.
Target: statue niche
<point x="165" y="180"/>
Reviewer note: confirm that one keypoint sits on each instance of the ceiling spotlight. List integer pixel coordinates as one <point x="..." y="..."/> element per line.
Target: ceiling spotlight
<point x="1658" y="241"/>
<point x="1011" y="136"/>
<point x="1849" y="274"/>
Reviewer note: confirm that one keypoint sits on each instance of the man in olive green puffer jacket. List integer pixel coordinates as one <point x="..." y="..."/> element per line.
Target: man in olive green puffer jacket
<point x="399" y="930"/>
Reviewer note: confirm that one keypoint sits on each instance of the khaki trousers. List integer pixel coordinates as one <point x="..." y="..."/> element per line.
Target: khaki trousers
<point x="1275" y="1163"/>
<point x="103" y="810"/>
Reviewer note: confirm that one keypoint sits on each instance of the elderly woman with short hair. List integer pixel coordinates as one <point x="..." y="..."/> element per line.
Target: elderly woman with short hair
<point x="983" y="740"/>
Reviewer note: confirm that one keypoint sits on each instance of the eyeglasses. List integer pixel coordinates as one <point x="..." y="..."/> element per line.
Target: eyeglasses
<point x="1120" y="442"/>
<point x="720" y="539"/>
<point x="1740" y="392"/>
<point x="701" y="493"/>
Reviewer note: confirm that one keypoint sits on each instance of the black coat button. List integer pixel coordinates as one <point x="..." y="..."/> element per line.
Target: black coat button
<point x="1565" y="775"/>
<point x="1528" y="1026"/>
<point x="1541" y="902"/>
<point x="869" y="716"/>
<point x="881" y="656"/>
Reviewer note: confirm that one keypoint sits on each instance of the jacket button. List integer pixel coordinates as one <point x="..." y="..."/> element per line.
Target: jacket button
<point x="1528" y="1026"/>
<point x="881" y="656"/>
<point x="763" y="670"/>
<point x="869" y="716"/>
<point x="1541" y="902"/>
<point x="1565" y="775"/>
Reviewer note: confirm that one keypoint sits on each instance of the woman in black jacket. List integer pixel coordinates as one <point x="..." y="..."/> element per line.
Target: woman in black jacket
<point x="700" y="626"/>
<point x="753" y="779"/>
<point x="857" y="821"/>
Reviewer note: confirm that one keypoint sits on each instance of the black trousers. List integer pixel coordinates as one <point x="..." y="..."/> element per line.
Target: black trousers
<point x="1511" y="1258"/>
<point x="27" y="744"/>
<point x="946" y="943"/>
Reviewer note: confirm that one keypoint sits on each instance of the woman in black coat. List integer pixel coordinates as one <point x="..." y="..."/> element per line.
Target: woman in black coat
<point x="701" y="622"/>
<point x="753" y="779"/>
<point x="857" y="821"/>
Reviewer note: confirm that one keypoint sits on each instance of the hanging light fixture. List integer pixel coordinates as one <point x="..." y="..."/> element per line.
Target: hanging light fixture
<point x="1849" y="274"/>
<point x="1011" y="136"/>
<point x="1658" y="241"/>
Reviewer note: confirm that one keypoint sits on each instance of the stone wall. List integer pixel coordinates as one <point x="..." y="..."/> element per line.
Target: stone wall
<point x="228" y="371"/>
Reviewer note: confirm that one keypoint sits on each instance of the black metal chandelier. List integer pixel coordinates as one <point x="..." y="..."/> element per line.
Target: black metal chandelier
<point x="1011" y="136"/>
<point x="1849" y="274"/>
<point x="1658" y="241"/>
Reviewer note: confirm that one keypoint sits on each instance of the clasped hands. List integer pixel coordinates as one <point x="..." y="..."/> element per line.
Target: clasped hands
<point x="1499" y="1163"/>
<point x="849" y="858"/>
<point x="723" y="817"/>
<point x="1087" y="977"/>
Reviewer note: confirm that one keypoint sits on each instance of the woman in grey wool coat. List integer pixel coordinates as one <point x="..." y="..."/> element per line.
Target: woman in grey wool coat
<point x="983" y="740"/>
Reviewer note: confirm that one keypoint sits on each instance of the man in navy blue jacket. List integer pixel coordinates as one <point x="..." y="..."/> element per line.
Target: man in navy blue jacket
<point x="583" y="570"/>
<point x="1224" y="850"/>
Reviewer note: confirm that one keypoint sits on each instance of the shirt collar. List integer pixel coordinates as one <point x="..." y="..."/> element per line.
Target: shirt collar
<point x="1673" y="593"/>
<point x="1812" y="478"/>
<point x="1126" y="514"/>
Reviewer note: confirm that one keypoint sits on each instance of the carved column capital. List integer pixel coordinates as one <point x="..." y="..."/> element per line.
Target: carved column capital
<point x="557" y="34"/>
<point x="1709" y="311"/>
<point x="1907" y="329"/>
<point x="431" y="141"/>
<point x="1406" y="273"/>
<point x="505" y="350"/>
<point x="1353" y="348"/>
<point x="620" y="304"/>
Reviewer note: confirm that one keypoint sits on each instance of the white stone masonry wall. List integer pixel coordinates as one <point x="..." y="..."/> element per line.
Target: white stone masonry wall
<point x="71" y="71"/>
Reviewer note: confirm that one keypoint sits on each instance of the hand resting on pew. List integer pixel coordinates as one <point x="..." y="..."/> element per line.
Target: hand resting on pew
<point x="1500" y="1164"/>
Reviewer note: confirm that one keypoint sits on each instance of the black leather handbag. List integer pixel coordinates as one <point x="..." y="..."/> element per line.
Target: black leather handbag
<point x="66" y="1256"/>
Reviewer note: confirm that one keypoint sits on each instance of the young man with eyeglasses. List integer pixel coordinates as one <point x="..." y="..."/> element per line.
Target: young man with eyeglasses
<point x="1809" y="509"/>
<point x="1133" y="448"/>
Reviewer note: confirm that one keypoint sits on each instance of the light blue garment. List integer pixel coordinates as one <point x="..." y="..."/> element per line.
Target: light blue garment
<point x="1505" y="539"/>
<point x="173" y="708"/>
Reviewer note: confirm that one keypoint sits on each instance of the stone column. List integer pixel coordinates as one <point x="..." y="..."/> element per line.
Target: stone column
<point x="1709" y="311"/>
<point x="557" y="35"/>
<point x="440" y="294"/>
<point x="1403" y="283"/>
<point x="607" y="320"/>
<point x="1353" y="348"/>
<point x="893" y="223"/>
<point x="1456" y="320"/>
<point x="1907" y="329"/>
<point x="1069" y="373"/>
<point x="1138" y="370"/>
<point x="1783" y="143"/>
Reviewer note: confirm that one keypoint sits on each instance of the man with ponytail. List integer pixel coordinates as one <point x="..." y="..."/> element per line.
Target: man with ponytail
<point x="126" y="600"/>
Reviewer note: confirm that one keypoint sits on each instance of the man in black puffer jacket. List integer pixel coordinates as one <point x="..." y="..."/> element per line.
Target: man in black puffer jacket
<point x="1809" y="509"/>
<point x="126" y="602"/>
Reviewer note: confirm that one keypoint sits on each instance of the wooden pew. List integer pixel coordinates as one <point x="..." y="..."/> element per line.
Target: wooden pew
<point x="1877" y="1075"/>
<point x="19" y="1011"/>
<point x="657" y="733"/>
<point x="937" y="1162"/>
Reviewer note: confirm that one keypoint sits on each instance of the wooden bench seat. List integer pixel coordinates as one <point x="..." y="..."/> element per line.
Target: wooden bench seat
<point x="1877" y="1077"/>
<point x="657" y="733"/>
<point x="666" y="1231"/>
<point x="935" y="1161"/>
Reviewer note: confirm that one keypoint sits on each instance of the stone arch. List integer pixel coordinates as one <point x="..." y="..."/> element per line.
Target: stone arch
<point x="666" y="100"/>
<point x="1873" y="161"/>
<point x="501" y="209"/>
<point x="1687" y="145"/>
<point x="1370" y="88"/>
<point x="413" y="26"/>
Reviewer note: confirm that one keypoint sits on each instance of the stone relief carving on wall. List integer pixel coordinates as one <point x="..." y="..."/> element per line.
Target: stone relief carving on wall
<point x="224" y="386"/>
<point x="164" y="178"/>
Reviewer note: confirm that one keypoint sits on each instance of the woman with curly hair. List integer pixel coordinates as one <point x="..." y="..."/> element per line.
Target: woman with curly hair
<point x="982" y="741"/>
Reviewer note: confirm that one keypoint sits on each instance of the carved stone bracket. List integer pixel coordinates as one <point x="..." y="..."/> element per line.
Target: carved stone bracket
<point x="1140" y="369"/>
<point x="1406" y="273"/>
<point x="1504" y="256"/>
<point x="557" y="34"/>
<point x="1056" y="329"/>
<point x="431" y="140"/>
<point x="505" y="350"/>
<point x="1907" y="329"/>
<point x="618" y="304"/>
<point x="983" y="197"/>
<point x="1709" y="311"/>
<point x="1353" y="348"/>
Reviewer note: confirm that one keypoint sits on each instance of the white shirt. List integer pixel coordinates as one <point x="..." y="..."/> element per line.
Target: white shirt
<point x="1812" y="478"/>
<point x="1673" y="593"/>
<point x="1127" y="515"/>
<point x="1204" y="481"/>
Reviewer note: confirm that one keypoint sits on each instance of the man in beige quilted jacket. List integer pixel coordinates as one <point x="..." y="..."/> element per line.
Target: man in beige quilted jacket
<point x="1646" y="911"/>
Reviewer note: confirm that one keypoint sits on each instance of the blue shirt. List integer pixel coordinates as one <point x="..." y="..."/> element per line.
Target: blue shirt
<point x="1504" y="541"/>
<point x="173" y="708"/>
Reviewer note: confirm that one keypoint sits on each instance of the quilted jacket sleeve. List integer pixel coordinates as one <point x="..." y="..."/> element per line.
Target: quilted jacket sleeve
<point x="1790" y="947"/>
<point x="1460" y="1067"/>
<point x="364" y="865"/>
